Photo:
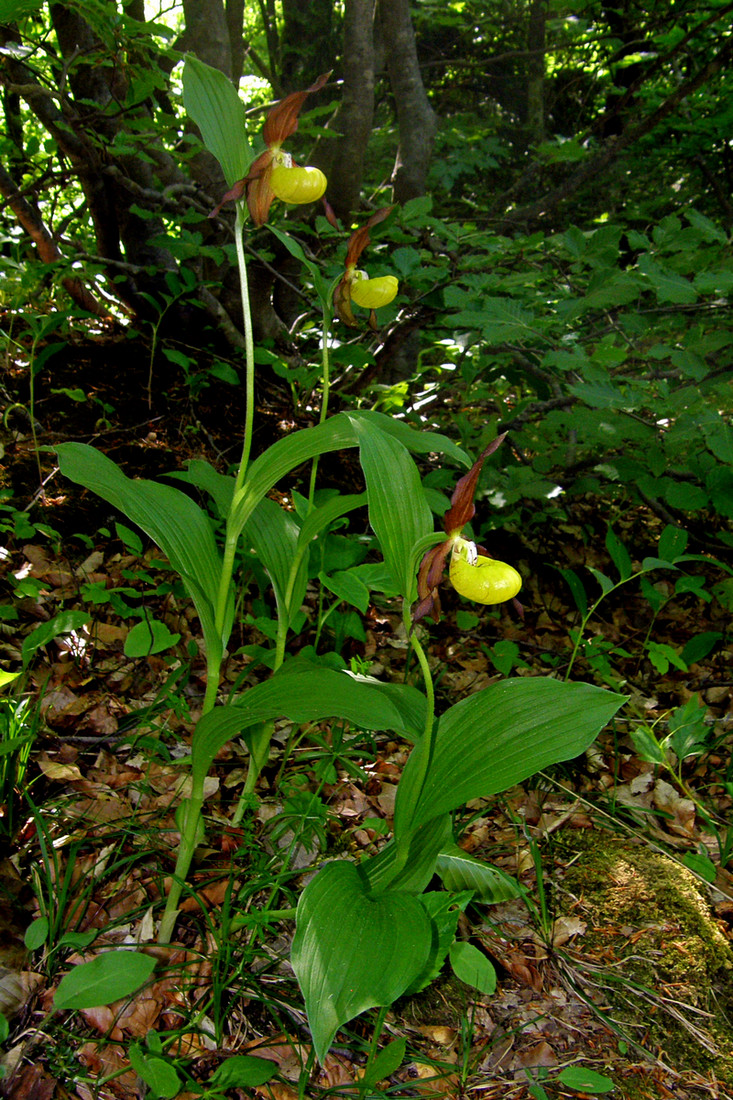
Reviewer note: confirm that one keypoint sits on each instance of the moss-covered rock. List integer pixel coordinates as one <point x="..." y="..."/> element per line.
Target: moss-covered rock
<point x="666" y="966"/>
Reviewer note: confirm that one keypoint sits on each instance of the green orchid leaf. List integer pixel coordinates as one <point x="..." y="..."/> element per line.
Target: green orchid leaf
<point x="419" y="443"/>
<point x="172" y="520"/>
<point x="460" y="871"/>
<point x="274" y="534"/>
<point x="325" y="514"/>
<point x="425" y="845"/>
<point x="295" y="249"/>
<point x="211" y="101"/>
<point x="285" y="455"/>
<point x="398" y="511"/>
<point x="306" y="696"/>
<point x="342" y="930"/>
<point x="496" y="738"/>
<point x="444" y="911"/>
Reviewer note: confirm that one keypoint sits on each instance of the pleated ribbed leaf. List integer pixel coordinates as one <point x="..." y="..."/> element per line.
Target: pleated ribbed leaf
<point x="492" y="740"/>
<point x="353" y="951"/>
<point x="172" y="520"/>
<point x="300" y="696"/>
<point x="212" y="102"/>
<point x="460" y="871"/>
<point x="398" y="511"/>
<point x="274" y="534"/>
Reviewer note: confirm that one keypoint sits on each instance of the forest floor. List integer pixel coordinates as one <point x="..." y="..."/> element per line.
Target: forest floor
<point x="619" y="961"/>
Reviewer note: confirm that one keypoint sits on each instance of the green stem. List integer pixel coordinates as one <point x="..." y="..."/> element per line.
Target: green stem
<point x="32" y="411"/>
<point x="374" y="1045"/>
<point x="183" y="863"/>
<point x="249" y="349"/>
<point x="325" y="392"/>
<point x="425" y="747"/>
<point x="261" y="916"/>
<point x="194" y="808"/>
<point x="591" y="612"/>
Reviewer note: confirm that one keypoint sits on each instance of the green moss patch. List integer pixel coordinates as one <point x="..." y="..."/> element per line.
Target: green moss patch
<point x="659" y="958"/>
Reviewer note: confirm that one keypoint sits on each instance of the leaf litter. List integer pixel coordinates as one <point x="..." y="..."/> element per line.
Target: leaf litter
<point x="108" y="808"/>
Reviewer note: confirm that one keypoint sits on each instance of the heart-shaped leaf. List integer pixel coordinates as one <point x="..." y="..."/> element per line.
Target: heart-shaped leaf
<point x="353" y="951"/>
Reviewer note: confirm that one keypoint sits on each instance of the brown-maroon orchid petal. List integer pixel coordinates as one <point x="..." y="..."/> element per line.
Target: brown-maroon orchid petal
<point x="360" y="239"/>
<point x="282" y="120"/>
<point x="462" y="507"/>
<point x="330" y="214"/>
<point x="259" y="192"/>
<point x="357" y="243"/>
<point x="433" y="563"/>
<point x="231" y="196"/>
<point x="342" y="302"/>
<point x="429" y="575"/>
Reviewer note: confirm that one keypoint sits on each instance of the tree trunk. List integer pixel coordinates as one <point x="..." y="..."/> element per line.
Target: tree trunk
<point x="415" y="117"/>
<point x="536" y="72"/>
<point x="355" y="117"/>
<point x="307" y="42"/>
<point x="29" y="216"/>
<point x="207" y="33"/>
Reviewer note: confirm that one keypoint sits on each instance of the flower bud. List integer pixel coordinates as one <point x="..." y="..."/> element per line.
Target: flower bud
<point x="297" y="185"/>
<point x="373" y="293"/>
<point x="483" y="580"/>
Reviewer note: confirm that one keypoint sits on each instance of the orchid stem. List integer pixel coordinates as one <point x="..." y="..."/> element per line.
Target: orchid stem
<point x="325" y="393"/>
<point x="190" y="829"/>
<point x="249" y="349"/>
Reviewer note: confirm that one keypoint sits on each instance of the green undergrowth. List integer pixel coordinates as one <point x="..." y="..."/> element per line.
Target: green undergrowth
<point x="666" y="969"/>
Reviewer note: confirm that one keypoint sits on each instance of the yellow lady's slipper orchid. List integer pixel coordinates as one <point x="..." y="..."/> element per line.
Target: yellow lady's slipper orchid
<point x="475" y="575"/>
<point x="373" y="293"/>
<point x="356" y="286"/>
<point x="297" y="185"/>
<point x="481" y="579"/>
<point x="291" y="182"/>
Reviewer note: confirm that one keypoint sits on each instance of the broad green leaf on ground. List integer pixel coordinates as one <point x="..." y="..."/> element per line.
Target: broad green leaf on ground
<point x="472" y="967"/>
<point x="353" y="951"/>
<point x="64" y="623"/>
<point x="155" y="1071"/>
<point x="585" y="1080"/>
<point x="242" y="1071"/>
<point x="212" y="102"/>
<point x="387" y="1062"/>
<point x="496" y="738"/>
<point x="148" y="637"/>
<point x="107" y="978"/>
